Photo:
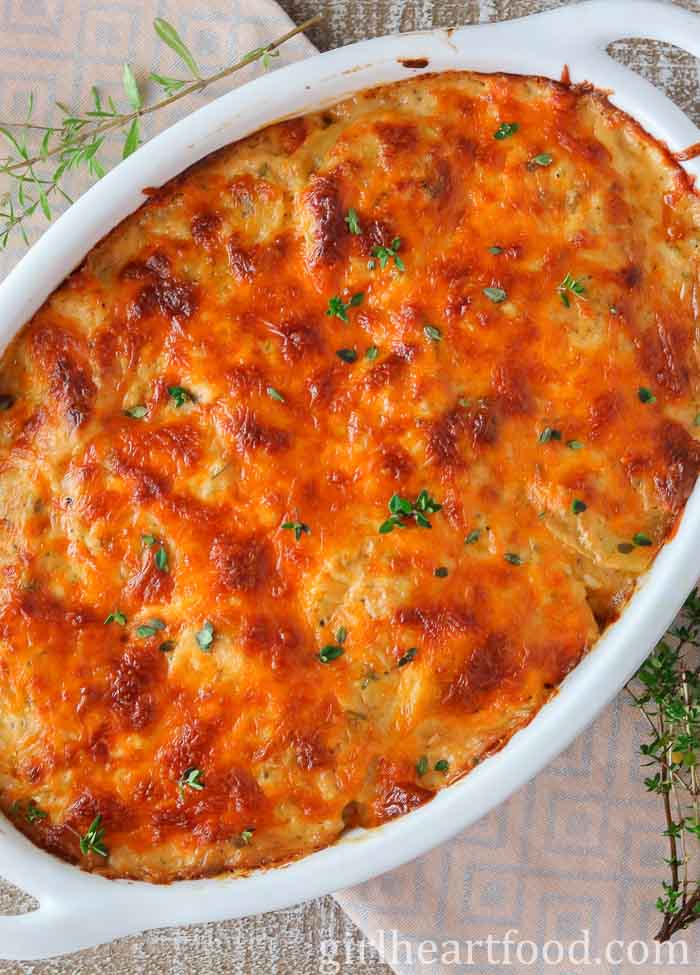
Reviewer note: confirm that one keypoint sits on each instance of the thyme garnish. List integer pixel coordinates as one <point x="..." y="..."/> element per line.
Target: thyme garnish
<point x="41" y="156"/>
<point x="93" y="840"/>
<point x="402" y="508"/>
<point x="667" y="692"/>
<point x="571" y="286"/>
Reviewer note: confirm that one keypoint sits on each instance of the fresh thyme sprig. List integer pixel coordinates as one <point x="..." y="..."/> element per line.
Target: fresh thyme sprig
<point x="571" y="286"/>
<point x="93" y="840"/>
<point x="36" y="172"/>
<point x="402" y="509"/>
<point x="667" y="692"/>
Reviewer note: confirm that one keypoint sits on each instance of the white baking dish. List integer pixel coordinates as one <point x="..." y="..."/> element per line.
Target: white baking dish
<point x="78" y="909"/>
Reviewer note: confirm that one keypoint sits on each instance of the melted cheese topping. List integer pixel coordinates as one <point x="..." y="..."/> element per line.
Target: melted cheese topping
<point x="181" y="442"/>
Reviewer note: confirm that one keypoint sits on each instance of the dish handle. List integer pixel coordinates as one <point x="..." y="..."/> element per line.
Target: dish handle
<point x="53" y="929"/>
<point x="600" y="22"/>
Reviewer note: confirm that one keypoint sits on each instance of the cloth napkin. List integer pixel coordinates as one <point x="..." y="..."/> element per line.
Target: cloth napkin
<point x="579" y="849"/>
<point x="575" y="857"/>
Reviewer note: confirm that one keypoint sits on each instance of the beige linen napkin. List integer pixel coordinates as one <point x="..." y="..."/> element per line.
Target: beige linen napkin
<point x="577" y="850"/>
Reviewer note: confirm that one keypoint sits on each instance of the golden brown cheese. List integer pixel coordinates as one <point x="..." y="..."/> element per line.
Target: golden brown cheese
<point x="484" y="288"/>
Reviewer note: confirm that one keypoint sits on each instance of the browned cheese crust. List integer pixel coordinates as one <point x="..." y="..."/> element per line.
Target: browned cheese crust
<point x="219" y="646"/>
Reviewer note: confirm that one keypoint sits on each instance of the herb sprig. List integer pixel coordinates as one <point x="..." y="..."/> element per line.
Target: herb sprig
<point x="179" y="395"/>
<point x="41" y="156"/>
<point x="33" y="813"/>
<point x="384" y="254"/>
<point x="571" y="286"/>
<point x="543" y="159"/>
<point x="93" y="840"/>
<point x="505" y="130"/>
<point x="666" y="690"/>
<point x="496" y="295"/>
<point x="339" y="309"/>
<point x="298" y="527"/>
<point x="205" y="636"/>
<point x="191" y="778"/>
<point x="402" y="509"/>
<point x="353" y="222"/>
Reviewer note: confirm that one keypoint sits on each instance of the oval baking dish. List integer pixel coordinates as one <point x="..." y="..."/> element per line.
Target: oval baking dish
<point x="540" y="45"/>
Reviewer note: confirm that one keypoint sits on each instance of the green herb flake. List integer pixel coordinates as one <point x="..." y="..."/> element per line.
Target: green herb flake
<point x="246" y="837"/>
<point x="505" y="130"/>
<point x="372" y="353"/>
<point x="148" y="540"/>
<point x="645" y="395"/>
<point x="342" y="635"/>
<point x="92" y="841"/>
<point x="424" y="502"/>
<point x="339" y="308"/>
<point x="298" y="527"/>
<point x="352" y="221"/>
<point x="543" y="159"/>
<point x="578" y="506"/>
<point x="180" y="395"/>
<point x="401" y="508"/>
<point x="641" y="540"/>
<point x="191" y="778"/>
<point x="495" y="250"/>
<point x="433" y="333"/>
<point x="385" y="254"/>
<point x="136" y="412"/>
<point x="422" y="765"/>
<point x="513" y="558"/>
<point x="442" y="766"/>
<point x="161" y="560"/>
<point x="33" y="813"/>
<point x="149" y="629"/>
<point x="407" y="657"/>
<point x="549" y="433"/>
<point x="116" y="617"/>
<point x="571" y="286"/>
<point x="696" y="421"/>
<point x="275" y="394"/>
<point x="347" y="355"/>
<point x="496" y="295"/>
<point x="473" y="537"/>
<point x="399" y="505"/>
<point x="330" y="652"/>
<point x="574" y="444"/>
<point x="205" y="636"/>
<point x="441" y="572"/>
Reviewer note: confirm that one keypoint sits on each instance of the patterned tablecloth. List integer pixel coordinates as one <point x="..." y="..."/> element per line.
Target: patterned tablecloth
<point x="579" y="848"/>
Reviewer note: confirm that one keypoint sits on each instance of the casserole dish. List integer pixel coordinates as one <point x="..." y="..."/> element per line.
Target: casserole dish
<point x="59" y="925"/>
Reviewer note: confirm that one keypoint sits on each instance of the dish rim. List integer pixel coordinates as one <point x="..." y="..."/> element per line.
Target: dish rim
<point x="540" y="44"/>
